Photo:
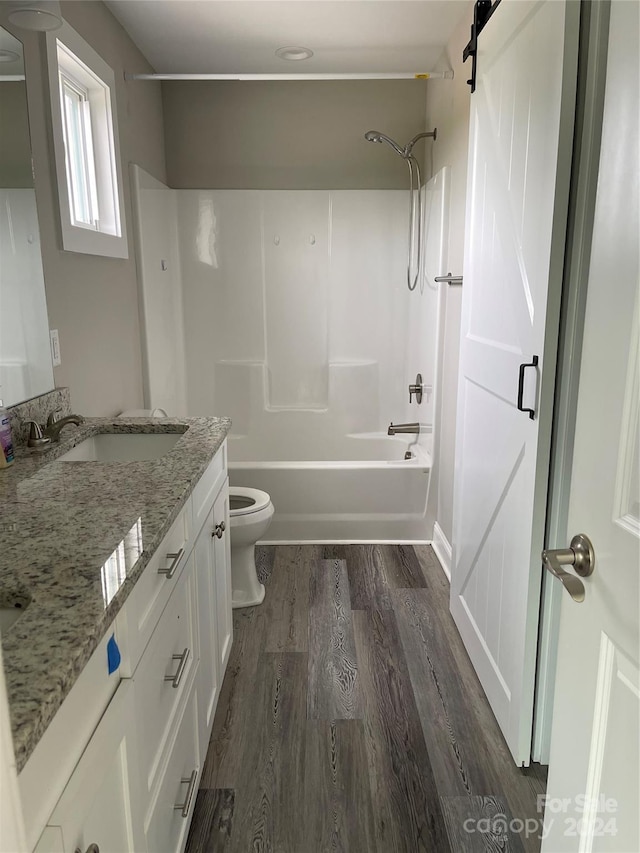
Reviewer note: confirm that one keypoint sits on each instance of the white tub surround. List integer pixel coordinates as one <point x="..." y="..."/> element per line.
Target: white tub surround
<point x="298" y="324"/>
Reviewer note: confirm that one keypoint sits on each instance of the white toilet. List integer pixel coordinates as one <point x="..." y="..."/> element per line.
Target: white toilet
<point x="250" y="514"/>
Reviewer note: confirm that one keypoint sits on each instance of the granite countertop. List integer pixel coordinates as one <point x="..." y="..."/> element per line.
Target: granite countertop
<point x="62" y="523"/>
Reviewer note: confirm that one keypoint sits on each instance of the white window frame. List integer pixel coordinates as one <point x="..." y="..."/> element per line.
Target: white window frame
<point x="73" y="62"/>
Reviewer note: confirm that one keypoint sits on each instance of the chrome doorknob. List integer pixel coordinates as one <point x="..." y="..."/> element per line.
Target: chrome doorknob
<point x="219" y="529"/>
<point x="580" y="555"/>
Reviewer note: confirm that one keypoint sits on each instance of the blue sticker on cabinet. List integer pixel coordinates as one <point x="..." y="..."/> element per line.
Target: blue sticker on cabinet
<point x="113" y="654"/>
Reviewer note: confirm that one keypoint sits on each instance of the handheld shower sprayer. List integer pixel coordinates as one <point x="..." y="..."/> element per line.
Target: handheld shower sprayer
<point x="415" y="218"/>
<point x="376" y="136"/>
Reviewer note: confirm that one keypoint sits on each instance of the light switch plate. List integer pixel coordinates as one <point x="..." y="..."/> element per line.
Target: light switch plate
<point x="55" y="347"/>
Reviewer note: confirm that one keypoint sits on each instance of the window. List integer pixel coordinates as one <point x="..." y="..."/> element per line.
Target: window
<point x="86" y="147"/>
<point x="78" y="145"/>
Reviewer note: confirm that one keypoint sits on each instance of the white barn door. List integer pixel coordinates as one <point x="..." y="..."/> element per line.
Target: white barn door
<point x="519" y="161"/>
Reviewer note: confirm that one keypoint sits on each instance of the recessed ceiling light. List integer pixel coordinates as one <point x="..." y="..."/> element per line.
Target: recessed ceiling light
<point x="294" y="54"/>
<point x="39" y="15"/>
<point x="9" y="56"/>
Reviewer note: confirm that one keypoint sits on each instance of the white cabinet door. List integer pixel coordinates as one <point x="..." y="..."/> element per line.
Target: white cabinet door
<point x="101" y="803"/>
<point x="519" y="148"/>
<point x="222" y="559"/>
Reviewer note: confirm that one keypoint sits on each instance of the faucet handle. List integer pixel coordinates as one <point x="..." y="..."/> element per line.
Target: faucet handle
<point x="416" y="389"/>
<point x="36" y="436"/>
<point x="53" y="417"/>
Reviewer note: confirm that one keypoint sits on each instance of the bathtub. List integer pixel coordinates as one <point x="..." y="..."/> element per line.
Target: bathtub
<point x="359" y="488"/>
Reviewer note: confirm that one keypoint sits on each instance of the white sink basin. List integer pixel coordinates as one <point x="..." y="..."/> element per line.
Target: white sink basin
<point x="122" y="447"/>
<point x="8" y="615"/>
<point x="12" y="606"/>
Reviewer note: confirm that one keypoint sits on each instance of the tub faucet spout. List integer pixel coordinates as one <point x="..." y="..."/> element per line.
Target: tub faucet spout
<point x="394" y="429"/>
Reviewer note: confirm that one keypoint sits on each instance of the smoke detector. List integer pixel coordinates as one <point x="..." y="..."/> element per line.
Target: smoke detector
<point x="294" y="54"/>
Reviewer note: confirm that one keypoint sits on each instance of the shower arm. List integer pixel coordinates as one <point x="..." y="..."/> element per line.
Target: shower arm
<point x="432" y="134"/>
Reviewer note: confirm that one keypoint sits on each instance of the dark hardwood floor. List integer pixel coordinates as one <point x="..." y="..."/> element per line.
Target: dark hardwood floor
<point x="351" y="719"/>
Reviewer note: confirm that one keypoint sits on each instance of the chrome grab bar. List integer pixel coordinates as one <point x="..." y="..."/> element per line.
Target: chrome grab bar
<point x="450" y="279"/>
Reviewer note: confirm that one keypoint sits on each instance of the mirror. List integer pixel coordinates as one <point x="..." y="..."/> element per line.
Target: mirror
<point x="25" y="354"/>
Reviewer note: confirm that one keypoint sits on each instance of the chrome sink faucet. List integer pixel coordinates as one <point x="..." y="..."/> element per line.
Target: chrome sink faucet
<point x="394" y="429"/>
<point x="55" y="425"/>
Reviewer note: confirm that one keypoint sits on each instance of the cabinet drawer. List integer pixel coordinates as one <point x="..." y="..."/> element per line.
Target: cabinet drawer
<point x="207" y="488"/>
<point x="153" y="589"/>
<point x="171" y="811"/>
<point x="164" y="676"/>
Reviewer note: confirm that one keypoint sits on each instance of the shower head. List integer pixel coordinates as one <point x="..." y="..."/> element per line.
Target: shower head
<point x="376" y="136"/>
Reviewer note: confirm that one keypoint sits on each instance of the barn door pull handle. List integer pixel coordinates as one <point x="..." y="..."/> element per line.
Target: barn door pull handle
<point x="523" y="367"/>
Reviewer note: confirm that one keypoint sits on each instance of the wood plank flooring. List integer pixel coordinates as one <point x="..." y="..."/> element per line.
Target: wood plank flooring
<point x="351" y="720"/>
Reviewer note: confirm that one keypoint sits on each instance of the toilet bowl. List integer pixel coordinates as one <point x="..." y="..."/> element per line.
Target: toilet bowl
<point x="250" y="514"/>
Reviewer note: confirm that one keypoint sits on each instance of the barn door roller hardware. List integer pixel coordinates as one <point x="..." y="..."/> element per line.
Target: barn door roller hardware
<point x="482" y="11"/>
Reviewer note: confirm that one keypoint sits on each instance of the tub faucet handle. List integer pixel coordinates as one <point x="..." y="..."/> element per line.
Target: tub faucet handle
<point x="416" y="389"/>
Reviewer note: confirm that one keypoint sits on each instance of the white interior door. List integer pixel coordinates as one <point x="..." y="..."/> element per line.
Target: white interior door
<point x="519" y="156"/>
<point x="593" y="790"/>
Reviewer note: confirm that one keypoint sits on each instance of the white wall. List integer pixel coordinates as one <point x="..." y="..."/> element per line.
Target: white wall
<point x="448" y="110"/>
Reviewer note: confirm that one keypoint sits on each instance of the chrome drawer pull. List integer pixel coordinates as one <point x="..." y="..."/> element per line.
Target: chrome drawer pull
<point x="185" y="807"/>
<point x="170" y="571"/>
<point x="177" y="678"/>
<point x="219" y="529"/>
<point x="92" y="848"/>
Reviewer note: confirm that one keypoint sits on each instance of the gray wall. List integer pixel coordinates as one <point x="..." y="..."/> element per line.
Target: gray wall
<point x="448" y="109"/>
<point x="15" y="155"/>
<point x="93" y="301"/>
<point x="289" y="135"/>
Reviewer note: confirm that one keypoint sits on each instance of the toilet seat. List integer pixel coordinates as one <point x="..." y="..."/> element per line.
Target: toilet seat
<point x="248" y="501"/>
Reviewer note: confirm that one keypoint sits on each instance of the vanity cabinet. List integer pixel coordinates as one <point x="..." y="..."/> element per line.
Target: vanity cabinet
<point x="135" y="784"/>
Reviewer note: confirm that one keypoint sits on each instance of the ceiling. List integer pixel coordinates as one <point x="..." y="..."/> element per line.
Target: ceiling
<point x="241" y="36"/>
